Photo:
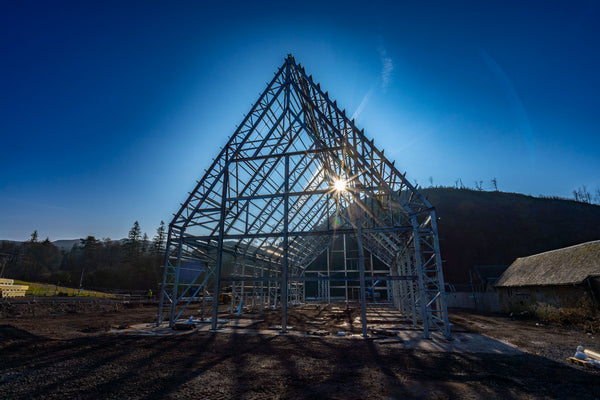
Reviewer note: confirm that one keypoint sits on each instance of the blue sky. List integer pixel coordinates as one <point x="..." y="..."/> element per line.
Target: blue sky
<point x="109" y="111"/>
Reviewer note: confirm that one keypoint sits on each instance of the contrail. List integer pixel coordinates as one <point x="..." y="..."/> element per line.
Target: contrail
<point x="515" y="101"/>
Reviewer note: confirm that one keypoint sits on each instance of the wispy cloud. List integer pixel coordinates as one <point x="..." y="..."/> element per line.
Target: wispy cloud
<point x="384" y="79"/>
<point x="387" y="66"/>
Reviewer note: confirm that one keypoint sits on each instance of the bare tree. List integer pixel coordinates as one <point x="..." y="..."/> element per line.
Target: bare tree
<point x="587" y="196"/>
<point x="582" y="195"/>
<point x="479" y="185"/>
<point x="431" y="181"/>
<point x="495" y="184"/>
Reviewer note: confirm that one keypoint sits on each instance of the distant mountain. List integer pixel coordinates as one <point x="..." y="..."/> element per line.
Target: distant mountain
<point x="494" y="228"/>
<point x="66" y="244"/>
<point x="63" y="244"/>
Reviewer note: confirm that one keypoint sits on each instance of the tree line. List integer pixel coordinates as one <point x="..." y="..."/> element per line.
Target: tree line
<point x="133" y="263"/>
<point x="582" y="194"/>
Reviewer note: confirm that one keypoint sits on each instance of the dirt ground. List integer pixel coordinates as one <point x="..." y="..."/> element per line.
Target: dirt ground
<point x="74" y="351"/>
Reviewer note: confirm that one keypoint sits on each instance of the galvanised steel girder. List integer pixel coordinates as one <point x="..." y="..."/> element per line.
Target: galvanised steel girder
<point x="268" y="200"/>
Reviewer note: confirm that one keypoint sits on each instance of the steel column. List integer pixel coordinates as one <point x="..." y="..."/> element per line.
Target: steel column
<point x="219" y="264"/>
<point x="284" y="281"/>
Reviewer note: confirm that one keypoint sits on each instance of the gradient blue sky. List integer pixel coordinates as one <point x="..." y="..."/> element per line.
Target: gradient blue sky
<point x="110" y="110"/>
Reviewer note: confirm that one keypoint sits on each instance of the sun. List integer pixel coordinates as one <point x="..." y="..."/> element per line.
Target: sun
<point x="339" y="184"/>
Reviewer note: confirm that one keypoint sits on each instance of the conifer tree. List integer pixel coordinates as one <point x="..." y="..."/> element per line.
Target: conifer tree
<point x="133" y="244"/>
<point x="144" y="243"/>
<point x="159" y="239"/>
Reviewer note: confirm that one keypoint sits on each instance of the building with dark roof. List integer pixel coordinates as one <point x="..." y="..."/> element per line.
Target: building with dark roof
<point x="484" y="277"/>
<point x="565" y="278"/>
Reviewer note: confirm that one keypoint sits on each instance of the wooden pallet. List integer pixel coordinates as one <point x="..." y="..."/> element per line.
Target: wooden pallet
<point x="579" y="362"/>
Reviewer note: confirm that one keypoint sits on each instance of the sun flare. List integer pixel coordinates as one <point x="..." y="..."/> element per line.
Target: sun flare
<point x="340" y="185"/>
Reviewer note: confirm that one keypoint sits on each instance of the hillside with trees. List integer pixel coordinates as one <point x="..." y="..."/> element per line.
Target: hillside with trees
<point x="475" y="228"/>
<point x="486" y="228"/>
<point x="132" y="263"/>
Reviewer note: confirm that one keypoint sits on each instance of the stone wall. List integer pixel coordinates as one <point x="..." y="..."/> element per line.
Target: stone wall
<point x="516" y="299"/>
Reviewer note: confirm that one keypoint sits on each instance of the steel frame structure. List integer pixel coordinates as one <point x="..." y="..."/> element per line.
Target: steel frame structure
<point x="295" y="173"/>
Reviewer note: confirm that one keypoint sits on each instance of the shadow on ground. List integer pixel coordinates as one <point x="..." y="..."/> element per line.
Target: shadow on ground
<point x="232" y="365"/>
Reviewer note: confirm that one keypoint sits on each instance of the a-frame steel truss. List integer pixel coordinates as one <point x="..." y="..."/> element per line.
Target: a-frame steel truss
<point x="296" y="172"/>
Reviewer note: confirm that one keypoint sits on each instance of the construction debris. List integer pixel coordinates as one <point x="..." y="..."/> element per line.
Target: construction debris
<point x="317" y="332"/>
<point x="185" y="326"/>
<point x="9" y="289"/>
<point x="585" y="357"/>
<point x="382" y="332"/>
<point x="592" y="354"/>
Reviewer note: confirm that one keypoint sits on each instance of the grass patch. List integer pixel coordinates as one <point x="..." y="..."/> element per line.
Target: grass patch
<point x="585" y="315"/>
<point x="45" y="289"/>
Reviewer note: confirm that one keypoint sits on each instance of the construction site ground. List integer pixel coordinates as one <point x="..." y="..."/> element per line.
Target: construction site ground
<point x="97" y="350"/>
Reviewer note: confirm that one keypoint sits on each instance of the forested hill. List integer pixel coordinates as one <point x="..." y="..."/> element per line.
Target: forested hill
<point x="483" y="228"/>
<point x="475" y="227"/>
